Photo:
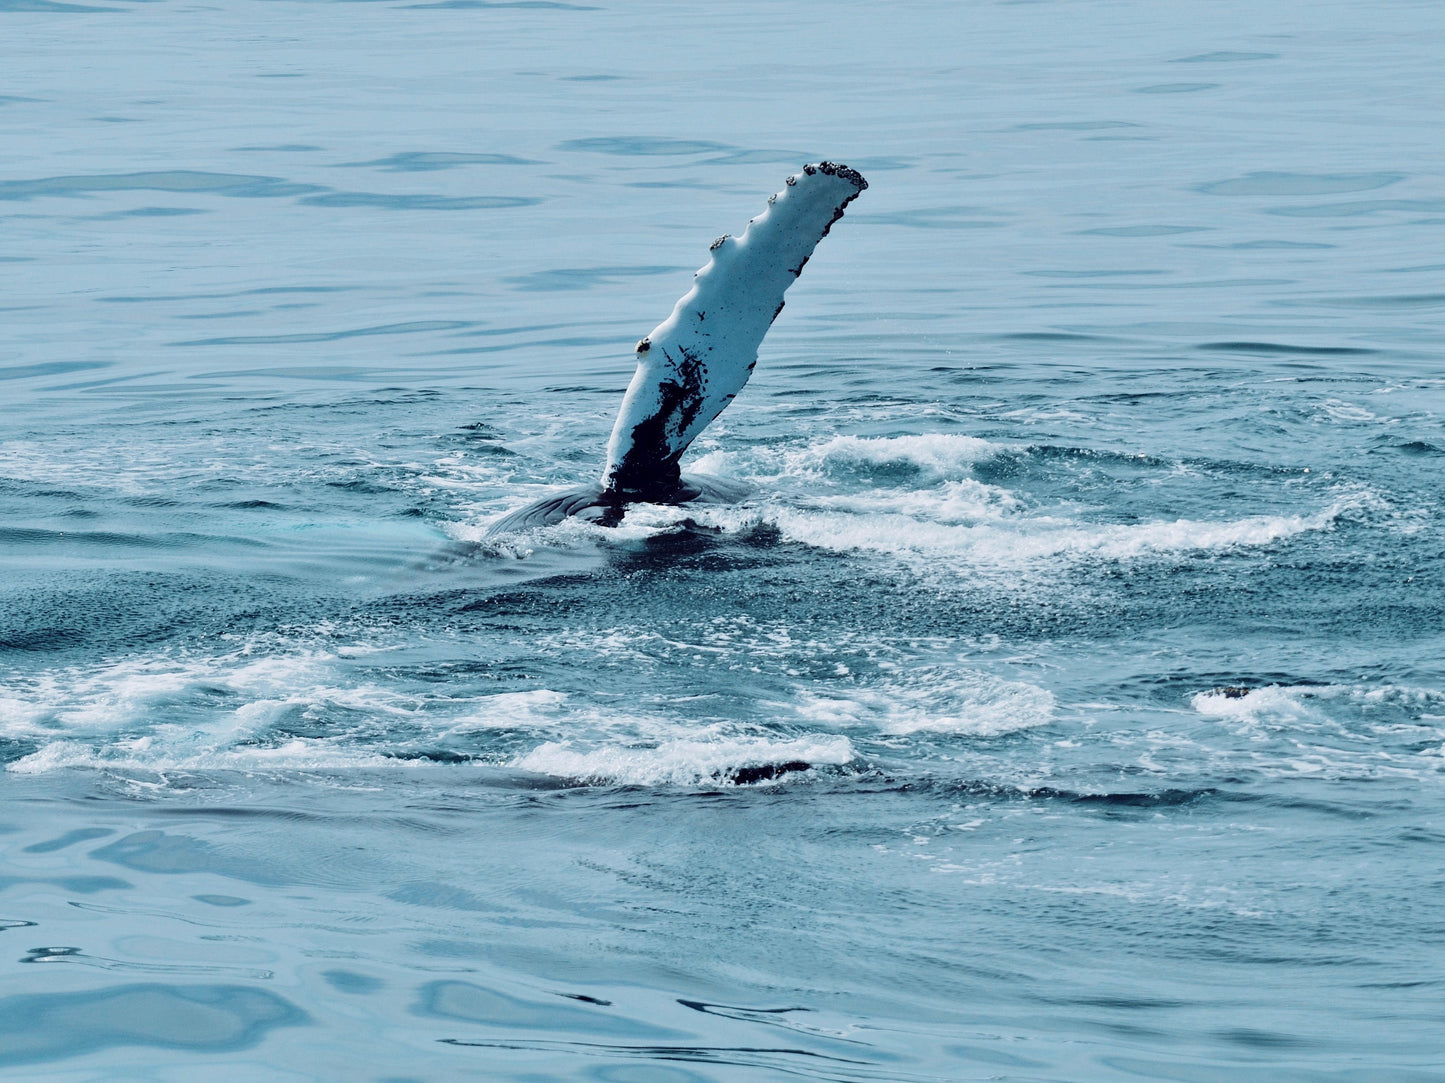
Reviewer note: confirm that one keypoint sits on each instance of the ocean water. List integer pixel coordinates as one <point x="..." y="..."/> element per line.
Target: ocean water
<point x="1066" y="702"/>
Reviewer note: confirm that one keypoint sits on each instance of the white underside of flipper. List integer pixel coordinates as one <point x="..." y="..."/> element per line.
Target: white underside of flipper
<point x="700" y="357"/>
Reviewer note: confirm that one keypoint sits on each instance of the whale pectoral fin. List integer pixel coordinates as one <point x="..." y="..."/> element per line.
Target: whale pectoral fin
<point x="697" y="360"/>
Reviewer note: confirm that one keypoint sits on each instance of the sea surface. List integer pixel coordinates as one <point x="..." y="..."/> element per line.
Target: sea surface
<point x="1066" y="702"/>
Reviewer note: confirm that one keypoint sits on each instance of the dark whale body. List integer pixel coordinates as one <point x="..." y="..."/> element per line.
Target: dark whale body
<point x="595" y="504"/>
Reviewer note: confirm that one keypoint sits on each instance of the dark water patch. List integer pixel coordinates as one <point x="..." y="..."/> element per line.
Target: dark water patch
<point x="589" y="78"/>
<point x="763" y="156"/>
<point x="156" y="851"/>
<point x="1175" y="88"/>
<point x="585" y="999"/>
<point x="349" y="981"/>
<point x="642" y="146"/>
<point x="6" y="924"/>
<point x="1142" y="231"/>
<point x="227" y="901"/>
<point x="419" y="202"/>
<point x="70" y="838"/>
<point x="1253" y="1038"/>
<point x="1399" y="300"/>
<point x="261" y="291"/>
<point x="1298" y="184"/>
<point x="7" y="99"/>
<point x="289" y="148"/>
<point x="533" y="345"/>
<point x="1050" y="336"/>
<point x="778" y="1059"/>
<point x="416" y="327"/>
<point x="935" y="218"/>
<point x="150" y="212"/>
<point x="563" y="279"/>
<point x="1285" y="349"/>
<point x="440" y="896"/>
<point x="1267" y="246"/>
<point x="431" y="161"/>
<point x="40" y="1027"/>
<point x="179" y="180"/>
<point x="1359" y="208"/>
<point x="1123" y="273"/>
<point x="468" y="5"/>
<point x="361" y="486"/>
<point x="466" y="1002"/>
<point x="1120" y="1003"/>
<point x="1169" y="797"/>
<point x="80" y="885"/>
<point x="1224" y="57"/>
<point x="53" y="7"/>
<point x="1073" y="126"/>
<point x="1428" y="268"/>
<point x="43" y="639"/>
<point x="729" y="1011"/>
<point x="1420" y="447"/>
<point x="50" y="368"/>
<point x="28" y="536"/>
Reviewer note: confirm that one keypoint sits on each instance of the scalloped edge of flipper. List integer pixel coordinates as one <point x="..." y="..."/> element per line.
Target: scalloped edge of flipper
<point x="697" y="360"/>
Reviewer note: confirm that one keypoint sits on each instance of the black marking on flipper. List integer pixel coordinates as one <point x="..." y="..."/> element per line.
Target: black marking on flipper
<point x="649" y="471"/>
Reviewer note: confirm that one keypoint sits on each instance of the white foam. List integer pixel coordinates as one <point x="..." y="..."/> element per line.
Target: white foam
<point x="512" y="710"/>
<point x="915" y="498"/>
<point x="924" y="528"/>
<point x="936" y="701"/>
<point x="1297" y="703"/>
<point x="163" y="712"/>
<point x="153" y="757"/>
<point x="936" y="456"/>
<point x="680" y="762"/>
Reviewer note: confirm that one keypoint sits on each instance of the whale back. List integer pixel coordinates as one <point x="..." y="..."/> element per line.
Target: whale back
<point x="699" y="358"/>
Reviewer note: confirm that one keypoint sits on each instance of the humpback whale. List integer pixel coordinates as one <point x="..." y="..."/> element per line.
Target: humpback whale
<point x="697" y="360"/>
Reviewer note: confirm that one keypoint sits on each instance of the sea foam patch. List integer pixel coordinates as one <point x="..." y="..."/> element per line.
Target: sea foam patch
<point x="684" y="762"/>
<point x="930" y="456"/>
<point x="1294" y="704"/>
<point x="919" y="499"/>
<point x="935" y="700"/>
<point x="983" y="530"/>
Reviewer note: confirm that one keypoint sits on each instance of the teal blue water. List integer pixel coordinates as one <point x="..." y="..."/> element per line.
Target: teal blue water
<point x="1066" y="702"/>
